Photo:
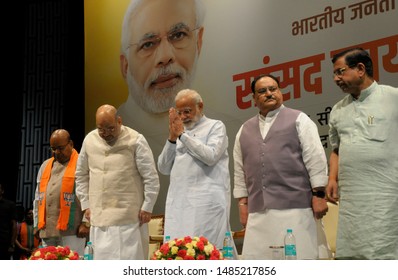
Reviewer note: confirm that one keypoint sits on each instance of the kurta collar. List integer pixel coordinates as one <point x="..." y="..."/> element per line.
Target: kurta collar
<point x="366" y="92"/>
<point x="271" y="114"/>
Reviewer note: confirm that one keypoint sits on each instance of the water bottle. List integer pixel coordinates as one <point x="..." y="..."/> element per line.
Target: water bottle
<point x="290" y="246"/>
<point x="89" y="251"/>
<point x="167" y="239"/>
<point x="227" y="247"/>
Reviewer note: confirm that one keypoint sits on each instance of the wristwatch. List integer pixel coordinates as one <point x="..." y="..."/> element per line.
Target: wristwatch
<point x="320" y="194"/>
<point x="86" y="224"/>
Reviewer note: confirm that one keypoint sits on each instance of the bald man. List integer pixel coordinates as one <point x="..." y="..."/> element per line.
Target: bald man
<point x="118" y="185"/>
<point x="57" y="211"/>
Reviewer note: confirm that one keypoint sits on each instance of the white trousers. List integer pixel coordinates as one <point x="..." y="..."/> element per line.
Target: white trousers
<point x="127" y="242"/>
<point x="268" y="228"/>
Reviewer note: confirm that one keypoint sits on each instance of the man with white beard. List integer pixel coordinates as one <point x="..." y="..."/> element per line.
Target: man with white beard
<point x="196" y="158"/>
<point x="161" y="43"/>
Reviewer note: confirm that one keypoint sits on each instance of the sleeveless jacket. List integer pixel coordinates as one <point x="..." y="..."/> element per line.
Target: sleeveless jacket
<point x="275" y="174"/>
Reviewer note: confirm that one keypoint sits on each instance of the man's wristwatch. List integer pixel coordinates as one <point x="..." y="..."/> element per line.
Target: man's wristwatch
<point x="320" y="194"/>
<point x="86" y="224"/>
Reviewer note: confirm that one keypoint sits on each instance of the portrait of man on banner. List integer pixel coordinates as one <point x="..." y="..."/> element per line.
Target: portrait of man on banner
<point x="159" y="53"/>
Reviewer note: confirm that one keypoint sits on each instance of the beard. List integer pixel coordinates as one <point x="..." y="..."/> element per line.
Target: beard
<point x="189" y="124"/>
<point x="160" y="100"/>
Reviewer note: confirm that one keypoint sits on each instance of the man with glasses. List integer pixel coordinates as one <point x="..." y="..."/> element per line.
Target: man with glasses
<point x="117" y="184"/>
<point x="196" y="158"/>
<point x="57" y="213"/>
<point x="364" y="160"/>
<point x="280" y="172"/>
<point x="161" y="43"/>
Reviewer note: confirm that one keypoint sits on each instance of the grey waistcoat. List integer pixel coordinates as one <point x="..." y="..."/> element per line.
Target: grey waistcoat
<point x="275" y="174"/>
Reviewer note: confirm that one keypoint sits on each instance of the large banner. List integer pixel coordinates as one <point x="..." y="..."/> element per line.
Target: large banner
<point x="240" y="39"/>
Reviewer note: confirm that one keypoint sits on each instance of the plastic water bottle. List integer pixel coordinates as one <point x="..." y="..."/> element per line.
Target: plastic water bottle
<point x="228" y="248"/>
<point x="290" y="246"/>
<point x="167" y="239"/>
<point x="89" y="251"/>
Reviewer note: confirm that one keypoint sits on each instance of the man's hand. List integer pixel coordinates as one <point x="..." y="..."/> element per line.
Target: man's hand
<point x="144" y="217"/>
<point x="243" y="211"/>
<point x="83" y="230"/>
<point x="332" y="192"/>
<point x="319" y="207"/>
<point x="176" y="126"/>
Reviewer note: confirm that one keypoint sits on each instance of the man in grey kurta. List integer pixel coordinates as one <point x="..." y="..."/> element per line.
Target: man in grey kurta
<point x="364" y="161"/>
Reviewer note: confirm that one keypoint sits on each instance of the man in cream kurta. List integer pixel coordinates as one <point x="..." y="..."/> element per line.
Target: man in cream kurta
<point x="118" y="185"/>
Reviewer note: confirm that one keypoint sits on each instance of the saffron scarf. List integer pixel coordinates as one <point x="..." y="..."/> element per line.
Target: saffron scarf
<point x="28" y="240"/>
<point x="66" y="198"/>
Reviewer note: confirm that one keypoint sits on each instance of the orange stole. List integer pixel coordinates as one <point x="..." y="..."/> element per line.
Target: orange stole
<point x="26" y="236"/>
<point x="67" y="189"/>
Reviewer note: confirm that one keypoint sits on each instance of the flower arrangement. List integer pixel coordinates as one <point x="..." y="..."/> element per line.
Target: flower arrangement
<point x="187" y="248"/>
<point x="54" y="253"/>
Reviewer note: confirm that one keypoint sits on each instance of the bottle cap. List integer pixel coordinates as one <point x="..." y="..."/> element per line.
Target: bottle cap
<point x="228" y="233"/>
<point x="289" y="230"/>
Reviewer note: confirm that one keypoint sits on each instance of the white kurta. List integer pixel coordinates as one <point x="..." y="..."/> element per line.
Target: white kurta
<point x="366" y="133"/>
<point x="198" y="199"/>
<point x="268" y="228"/>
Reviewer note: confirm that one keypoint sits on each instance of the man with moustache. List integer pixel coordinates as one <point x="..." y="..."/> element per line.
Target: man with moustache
<point x="196" y="158"/>
<point x="161" y="43"/>
<point x="363" y="174"/>
<point x="280" y="173"/>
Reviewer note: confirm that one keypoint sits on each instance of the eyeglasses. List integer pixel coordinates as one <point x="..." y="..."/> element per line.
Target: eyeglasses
<point x="59" y="148"/>
<point x="264" y="90"/>
<point x="180" y="37"/>
<point x="106" y="129"/>
<point x="184" y="112"/>
<point x="339" y="72"/>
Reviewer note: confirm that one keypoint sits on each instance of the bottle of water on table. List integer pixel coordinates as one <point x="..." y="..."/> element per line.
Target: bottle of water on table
<point x="227" y="247"/>
<point x="89" y="251"/>
<point x="290" y="246"/>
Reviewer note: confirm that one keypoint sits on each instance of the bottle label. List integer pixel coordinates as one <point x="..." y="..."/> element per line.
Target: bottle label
<point x="228" y="252"/>
<point x="88" y="257"/>
<point x="290" y="250"/>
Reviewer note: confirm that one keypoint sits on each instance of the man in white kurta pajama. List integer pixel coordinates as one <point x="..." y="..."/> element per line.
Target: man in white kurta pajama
<point x="117" y="184"/>
<point x="364" y="162"/>
<point x="198" y="199"/>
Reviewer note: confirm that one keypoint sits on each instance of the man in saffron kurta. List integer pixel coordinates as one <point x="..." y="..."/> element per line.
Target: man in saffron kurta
<point x="118" y="185"/>
<point x="57" y="212"/>
<point x="364" y="161"/>
<point x="280" y="175"/>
